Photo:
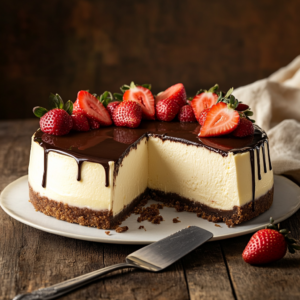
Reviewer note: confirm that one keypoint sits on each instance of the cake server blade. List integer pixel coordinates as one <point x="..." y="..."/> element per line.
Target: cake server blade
<point x="154" y="257"/>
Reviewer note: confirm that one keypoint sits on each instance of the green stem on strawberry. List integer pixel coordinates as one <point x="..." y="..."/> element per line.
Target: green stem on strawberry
<point x="132" y="85"/>
<point x="213" y="90"/>
<point x="55" y="101"/>
<point x="291" y="243"/>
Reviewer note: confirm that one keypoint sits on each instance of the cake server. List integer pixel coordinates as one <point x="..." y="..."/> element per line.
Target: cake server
<point x="154" y="257"/>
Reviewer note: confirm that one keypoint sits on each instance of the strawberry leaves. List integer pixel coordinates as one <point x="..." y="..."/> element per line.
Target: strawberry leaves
<point x="39" y="111"/>
<point x="55" y="101"/>
<point x="213" y="90"/>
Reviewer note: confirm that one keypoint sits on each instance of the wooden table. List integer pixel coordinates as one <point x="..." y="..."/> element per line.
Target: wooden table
<point x="30" y="258"/>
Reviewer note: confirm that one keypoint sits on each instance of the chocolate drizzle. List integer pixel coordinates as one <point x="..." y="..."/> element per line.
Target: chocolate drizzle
<point x="112" y="144"/>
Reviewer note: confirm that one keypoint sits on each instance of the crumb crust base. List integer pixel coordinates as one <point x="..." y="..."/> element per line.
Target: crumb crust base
<point x="104" y="219"/>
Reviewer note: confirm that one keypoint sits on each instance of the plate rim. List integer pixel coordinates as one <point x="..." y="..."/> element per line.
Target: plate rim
<point x="111" y="240"/>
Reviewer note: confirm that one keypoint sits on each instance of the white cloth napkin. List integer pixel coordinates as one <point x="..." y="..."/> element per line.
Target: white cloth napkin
<point x="275" y="102"/>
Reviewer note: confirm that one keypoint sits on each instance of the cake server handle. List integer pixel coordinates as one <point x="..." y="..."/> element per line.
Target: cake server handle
<point x="60" y="289"/>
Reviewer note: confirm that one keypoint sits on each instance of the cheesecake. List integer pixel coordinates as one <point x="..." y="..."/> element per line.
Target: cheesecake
<point x="97" y="178"/>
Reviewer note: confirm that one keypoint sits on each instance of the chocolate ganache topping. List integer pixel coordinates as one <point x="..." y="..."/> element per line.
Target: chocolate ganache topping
<point x="113" y="143"/>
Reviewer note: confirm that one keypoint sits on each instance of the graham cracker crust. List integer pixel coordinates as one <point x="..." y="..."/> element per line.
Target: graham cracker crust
<point x="105" y="219"/>
<point x="83" y="216"/>
<point x="237" y="215"/>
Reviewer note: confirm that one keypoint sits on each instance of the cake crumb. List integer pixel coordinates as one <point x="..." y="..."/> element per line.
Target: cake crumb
<point x="107" y="232"/>
<point x="121" y="229"/>
<point x="142" y="227"/>
<point x="150" y="214"/>
<point x="189" y="226"/>
<point x="176" y="220"/>
<point x="217" y="225"/>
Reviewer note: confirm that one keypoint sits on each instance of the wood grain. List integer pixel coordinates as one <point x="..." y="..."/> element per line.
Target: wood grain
<point x="64" y="46"/>
<point x="279" y="280"/>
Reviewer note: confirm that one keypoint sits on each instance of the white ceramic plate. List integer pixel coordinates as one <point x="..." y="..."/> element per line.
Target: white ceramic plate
<point x="14" y="201"/>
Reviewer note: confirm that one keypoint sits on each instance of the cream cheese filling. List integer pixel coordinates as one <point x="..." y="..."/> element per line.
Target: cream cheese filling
<point x="190" y="171"/>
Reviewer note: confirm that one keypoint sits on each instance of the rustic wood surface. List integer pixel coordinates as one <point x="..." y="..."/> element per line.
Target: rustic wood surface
<point x="31" y="259"/>
<point x="64" y="46"/>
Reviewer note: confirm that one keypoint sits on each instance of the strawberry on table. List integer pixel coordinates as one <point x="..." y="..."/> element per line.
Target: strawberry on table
<point x="166" y="110"/>
<point x="58" y="120"/>
<point x="268" y="245"/>
<point x="220" y="120"/>
<point x="128" y="114"/>
<point x="80" y="122"/>
<point x="204" y="99"/>
<point x="141" y="95"/>
<point x="186" y="114"/>
<point x="93" y="108"/>
<point x="175" y="92"/>
<point x="245" y="128"/>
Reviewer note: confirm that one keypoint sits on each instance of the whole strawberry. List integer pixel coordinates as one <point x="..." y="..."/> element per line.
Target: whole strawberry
<point x="80" y="122"/>
<point x="245" y="128"/>
<point x="268" y="245"/>
<point x="128" y="114"/>
<point x="166" y="110"/>
<point x="93" y="124"/>
<point x="203" y="115"/>
<point x="58" y="120"/>
<point x="112" y="106"/>
<point x="186" y="114"/>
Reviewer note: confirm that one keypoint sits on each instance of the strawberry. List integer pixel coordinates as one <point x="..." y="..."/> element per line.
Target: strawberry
<point x="166" y="110"/>
<point x="203" y="115"/>
<point x="76" y="107"/>
<point x="175" y="92"/>
<point x="80" y="122"/>
<point x="112" y="106"/>
<point x="186" y="114"/>
<point x="141" y="95"/>
<point x="242" y="107"/>
<point x="93" y="108"/>
<point x="220" y="120"/>
<point x="268" y="245"/>
<point x="58" y="120"/>
<point x="128" y="114"/>
<point x="245" y="128"/>
<point x="204" y="99"/>
<point x="93" y="124"/>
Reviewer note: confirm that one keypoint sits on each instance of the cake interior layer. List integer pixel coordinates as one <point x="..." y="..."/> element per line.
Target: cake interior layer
<point x="155" y="162"/>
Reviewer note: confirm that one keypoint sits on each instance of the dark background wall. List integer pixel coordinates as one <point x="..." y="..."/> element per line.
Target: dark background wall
<point x="64" y="46"/>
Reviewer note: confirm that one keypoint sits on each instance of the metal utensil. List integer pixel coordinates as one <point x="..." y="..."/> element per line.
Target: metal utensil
<point x="154" y="257"/>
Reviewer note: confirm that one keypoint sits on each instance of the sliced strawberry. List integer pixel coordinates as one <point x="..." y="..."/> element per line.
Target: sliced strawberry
<point x="166" y="110"/>
<point x="203" y="101"/>
<point x="76" y="107"/>
<point x="220" y="120"/>
<point x="144" y="97"/>
<point x="245" y="128"/>
<point x="93" y="108"/>
<point x="80" y="122"/>
<point x="128" y="114"/>
<point x="203" y="115"/>
<point x="175" y="92"/>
